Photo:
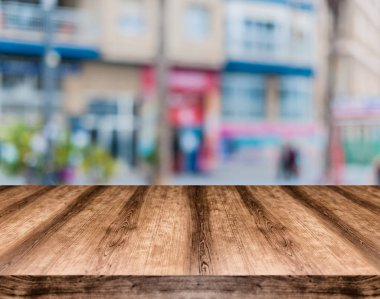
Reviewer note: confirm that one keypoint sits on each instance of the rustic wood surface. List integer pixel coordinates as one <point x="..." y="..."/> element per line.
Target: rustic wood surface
<point x="204" y="287"/>
<point x="189" y="242"/>
<point x="222" y="230"/>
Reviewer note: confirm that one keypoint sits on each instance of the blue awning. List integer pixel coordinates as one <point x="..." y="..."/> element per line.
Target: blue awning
<point x="275" y="69"/>
<point x="37" y="49"/>
<point x="34" y="67"/>
<point x="306" y="5"/>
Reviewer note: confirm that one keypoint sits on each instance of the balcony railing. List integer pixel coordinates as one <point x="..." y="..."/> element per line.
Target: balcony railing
<point x="25" y="104"/>
<point x="24" y="22"/>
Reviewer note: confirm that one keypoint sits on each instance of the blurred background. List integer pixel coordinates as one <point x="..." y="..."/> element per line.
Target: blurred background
<point x="189" y="92"/>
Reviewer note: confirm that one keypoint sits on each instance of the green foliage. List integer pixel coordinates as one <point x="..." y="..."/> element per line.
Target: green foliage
<point x="99" y="164"/>
<point x="17" y="138"/>
<point x="64" y="151"/>
<point x="20" y="156"/>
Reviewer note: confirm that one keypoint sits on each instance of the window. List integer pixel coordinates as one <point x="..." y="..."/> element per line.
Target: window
<point x="302" y="37"/>
<point x="132" y="19"/>
<point x="197" y="22"/>
<point x="259" y="36"/>
<point x="11" y="82"/>
<point x="296" y="98"/>
<point x="243" y="97"/>
<point x="110" y="122"/>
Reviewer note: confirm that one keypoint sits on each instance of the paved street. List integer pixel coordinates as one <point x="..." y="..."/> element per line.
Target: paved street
<point x="227" y="175"/>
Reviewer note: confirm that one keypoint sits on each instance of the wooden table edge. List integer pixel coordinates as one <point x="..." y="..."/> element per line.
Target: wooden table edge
<point x="198" y="286"/>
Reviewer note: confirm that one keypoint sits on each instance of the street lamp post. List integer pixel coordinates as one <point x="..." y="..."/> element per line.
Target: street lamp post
<point x="163" y="163"/>
<point x="335" y="8"/>
<point x="50" y="64"/>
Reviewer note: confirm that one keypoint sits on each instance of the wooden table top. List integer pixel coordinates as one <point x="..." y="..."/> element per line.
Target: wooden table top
<point x="222" y="230"/>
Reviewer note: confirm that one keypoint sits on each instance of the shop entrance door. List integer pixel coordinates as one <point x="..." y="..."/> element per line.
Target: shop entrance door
<point x="186" y="118"/>
<point x="111" y="124"/>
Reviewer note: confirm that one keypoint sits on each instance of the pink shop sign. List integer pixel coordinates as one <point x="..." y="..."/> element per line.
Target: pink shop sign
<point x="274" y="129"/>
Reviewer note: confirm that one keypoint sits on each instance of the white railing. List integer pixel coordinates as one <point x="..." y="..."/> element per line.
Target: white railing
<point x="20" y="21"/>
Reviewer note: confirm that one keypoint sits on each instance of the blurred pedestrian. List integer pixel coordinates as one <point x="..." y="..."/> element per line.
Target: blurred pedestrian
<point x="190" y="145"/>
<point x="289" y="168"/>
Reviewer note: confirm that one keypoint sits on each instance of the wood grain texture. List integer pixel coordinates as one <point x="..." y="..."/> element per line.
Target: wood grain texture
<point x="201" y="246"/>
<point x="359" y="226"/>
<point x="189" y="230"/>
<point x="224" y="287"/>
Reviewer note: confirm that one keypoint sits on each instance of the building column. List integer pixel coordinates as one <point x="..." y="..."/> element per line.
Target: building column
<point x="272" y="98"/>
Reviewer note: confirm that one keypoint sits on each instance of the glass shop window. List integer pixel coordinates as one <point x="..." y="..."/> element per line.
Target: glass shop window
<point x="243" y="97"/>
<point x="296" y="96"/>
<point x="17" y="81"/>
<point x="111" y="123"/>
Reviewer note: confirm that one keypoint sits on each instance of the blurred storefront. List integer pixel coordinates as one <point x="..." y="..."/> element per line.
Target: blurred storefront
<point x="244" y="82"/>
<point x="358" y="124"/>
<point x="128" y="44"/>
<point x="102" y="101"/>
<point x="193" y="116"/>
<point x="356" y="107"/>
<point x="21" y="96"/>
<point x="270" y="86"/>
<point x="22" y="48"/>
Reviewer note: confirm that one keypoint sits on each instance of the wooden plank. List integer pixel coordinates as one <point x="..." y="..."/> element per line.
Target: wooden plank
<point x="168" y="248"/>
<point x="365" y="196"/>
<point x="230" y="238"/>
<point x="70" y="250"/>
<point x="157" y="245"/>
<point x="266" y="244"/>
<point x="352" y="195"/>
<point x="13" y="198"/>
<point x="44" y="225"/>
<point x="190" y="230"/>
<point x="372" y="193"/>
<point x="318" y="247"/>
<point x="349" y="220"/>
<point x="224" y="287"/>
<point x="16" y="226"/>
<point x="201" y="242"/>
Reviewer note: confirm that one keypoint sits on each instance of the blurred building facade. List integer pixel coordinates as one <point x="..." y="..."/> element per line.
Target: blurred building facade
<point x="357" y="103"/>
<point x="273" y="83"/>
<point x="115" y="98"/>
<point x="195" y="54"/>
<point x="22" y="47"/>
<point x="103" y="99"/>
<point x="245" y="78"/>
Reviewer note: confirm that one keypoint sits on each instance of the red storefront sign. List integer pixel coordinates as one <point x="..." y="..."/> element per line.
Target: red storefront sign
<point x="188" y="92"/>
<point x="180" y="80"/>
<point x="186" y="110"/>
<point x="193" y="104"/>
